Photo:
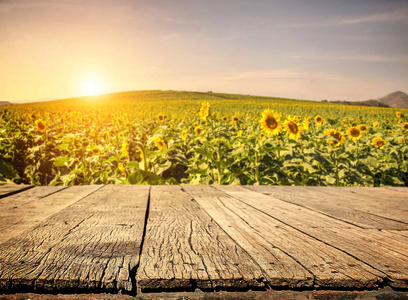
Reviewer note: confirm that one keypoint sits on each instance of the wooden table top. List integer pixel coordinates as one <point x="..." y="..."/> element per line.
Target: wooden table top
<point x="131" y="239"/>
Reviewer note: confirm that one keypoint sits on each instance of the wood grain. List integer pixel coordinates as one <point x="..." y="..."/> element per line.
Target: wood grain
<point x="386" y="254"/>
<point x="330" y="205"/>
<point x="374" y="203"/>
<point x="397" y="188"/>
<point x="92" y="244"/>
<point x="28" y="196"/>
<point x="14" y="221"/>
<point x="8" y="190"/>
<point x="331" y="268"/>
<point x="281" y="269"/>
<point x="184" y="248"/>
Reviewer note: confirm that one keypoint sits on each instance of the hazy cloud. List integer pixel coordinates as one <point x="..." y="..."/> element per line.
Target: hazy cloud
<point x="286" y="74"/>
<point x="395" y="15"/>
<point x="368" y="58"/>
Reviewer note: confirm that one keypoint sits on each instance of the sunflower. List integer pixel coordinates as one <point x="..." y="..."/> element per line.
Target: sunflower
<point x="204" y="111"/>
<point x="270" y="122"/>
<point x="354" y="133"/>
<point x="293" y="129"/>
<point x="391" y="132"/>
<point x="329" y="132"/>
<point x="95" y="150"/>
<point x="161" y="117"/>
<point x="405" y="126"/>
<point x="339" y="137"/>
<point x="235" y="119"/>
<point x="362" y="127"/>
<point x="198" y="130"/>
<point x="225" y="118"/>
<point x="41" y="127"/>
<point x="184" y="135"/>
<point x="398" y="114"/>
<point x="318" y="120"/>
<point x="125" y="149"/>
<point x="161" y="144"/>
<point x="306" y="124"/>
<point x="376" y="124"/>
<point x="378" y="142"/>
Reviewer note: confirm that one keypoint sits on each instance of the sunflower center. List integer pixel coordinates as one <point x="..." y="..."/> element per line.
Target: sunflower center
<point x="337" y="136"/>
<point x="405" y="126"/>
<point x="380" y="143"/>
<point x="354" y="132"/>
<point x="271" y="123"/>
<point x="41" y="125"/>
<point x="293" y="127"/>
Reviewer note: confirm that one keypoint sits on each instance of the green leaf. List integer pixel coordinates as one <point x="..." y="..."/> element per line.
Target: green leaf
<point x="61" y="161"/>
<point x="7" y="170"/>
<point x="133" y="165"/>
<point x="145" y="177"/>
<point x="204" y="152"/>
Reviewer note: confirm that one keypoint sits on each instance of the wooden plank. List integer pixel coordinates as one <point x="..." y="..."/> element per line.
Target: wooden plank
<point x="386" y="254"/>
<point x="330" y="205"/>
<point x="92" y="244"/>
<point x="397" y="188"/>
<point x="28" y="196"/>
<point x="280" y="268"/>
<point x="377" y="194"/>
<point x="11" y="189"/>
<point x="394" y="208"/>
<point x="400" y="232"/>
<point x="14" y="221"/>
<point x="184" y="248"/>
<point x="287" y="256"/>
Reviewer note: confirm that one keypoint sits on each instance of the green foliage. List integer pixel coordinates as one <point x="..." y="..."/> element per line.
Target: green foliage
<point x="119" y="138"/>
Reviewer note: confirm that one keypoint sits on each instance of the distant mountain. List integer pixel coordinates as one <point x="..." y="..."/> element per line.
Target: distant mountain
<point x="371" y="102"/>
<point x="5" y="103"/>
<point x="397" y="99"/>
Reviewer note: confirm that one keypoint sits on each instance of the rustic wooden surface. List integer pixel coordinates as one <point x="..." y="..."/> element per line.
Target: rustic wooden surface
<point x="184" y="248"/>
<point x="143" y="239"/>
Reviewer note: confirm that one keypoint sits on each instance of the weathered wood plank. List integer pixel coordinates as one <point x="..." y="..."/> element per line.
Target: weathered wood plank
<point x="400" y="232"/>
<point x="28" y="196"/>
<point x="11" y="189"/>
<point x="377" y="195"/>
<point x="330" y="205"/>
<point x="14" y="221"/>
<point x="386" y="254"/>
<point x="184" y="248"/>
<point x="375" y="203"/>
<point x="285" y="254"/>
<point x="397" y="188"/>
<point x="92" y="244"/>
<point x="281" y="269"/>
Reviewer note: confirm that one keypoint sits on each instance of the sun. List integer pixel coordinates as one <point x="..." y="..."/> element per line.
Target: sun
<point x="92" y="85"/>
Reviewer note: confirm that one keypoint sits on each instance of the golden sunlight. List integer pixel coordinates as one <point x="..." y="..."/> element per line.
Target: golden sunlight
<point x="92" y="85"/>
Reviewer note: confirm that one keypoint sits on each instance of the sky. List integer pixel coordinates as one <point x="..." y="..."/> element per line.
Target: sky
<point x="303" y="49"/>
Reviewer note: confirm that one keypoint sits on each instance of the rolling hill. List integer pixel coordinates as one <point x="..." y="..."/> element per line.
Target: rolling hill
<point x="396" y="99"/>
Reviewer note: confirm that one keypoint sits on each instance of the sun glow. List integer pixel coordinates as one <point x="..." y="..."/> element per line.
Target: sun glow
<point x="92" y="85"/>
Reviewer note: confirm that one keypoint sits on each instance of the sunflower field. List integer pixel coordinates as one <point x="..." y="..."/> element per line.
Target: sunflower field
<point x="167" y="137"/>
